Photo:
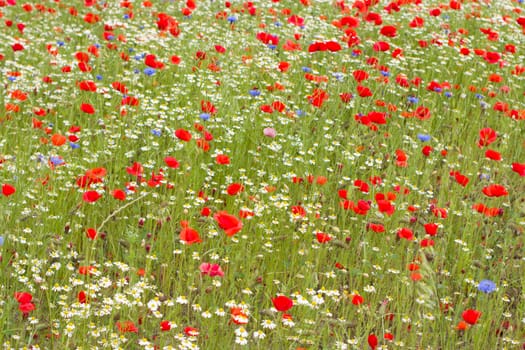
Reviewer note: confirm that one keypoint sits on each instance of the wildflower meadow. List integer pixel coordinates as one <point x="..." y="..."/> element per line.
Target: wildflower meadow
<point x="299" y="174"/>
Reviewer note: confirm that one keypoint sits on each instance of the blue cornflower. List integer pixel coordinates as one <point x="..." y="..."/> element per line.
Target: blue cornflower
<point x="423" y="137"/>
<point x="56" y="160"/>
<point x="413" y="99"/>
<point x="272" y="46"/>
<point x="156" y="132"/>
<point x="307" y="69"/>
<point x="1" y="240"/>
<point x="483" y="176"/>
<point x="60" y="43"/>
<point x="486" y="286"/>
<point x="74" y="145"/>
<point x="204" y="116"/>
<point x="338" y="76"/>
<point x="254" y="92"/>
<point x="11" y="78"/>
<point x="385" y="73"/>
<point x="448" y="94"/>
<point x="149" y="71"/>
<point x="99" y="77"/>
<point x="300" y="113"/>
<point x="479" y="96"/>
<point x="232" y="19"/>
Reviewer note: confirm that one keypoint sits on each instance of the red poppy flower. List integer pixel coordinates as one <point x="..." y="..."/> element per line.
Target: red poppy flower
<point x="519" y="168"/>
<point x="222" y="159"/>
<point x="8" y="190"/>
<point x="405" y="233"/>
<point x="165" y="326"/>
<point x="360" y="75"/>
<point x="17" y="47"/>
<point x="130" y="101"/>
<point x="135" y="170"/>
<point x="87" y="85"/>
<point x="376" y="227"/>
<point x="471" y="316"/>
<point x="371" y="16"/>
<point x="119" y="87"/>
<point x="460" y="178"/>
<point x="435" y="12"/>
<point x="381" y="46"/>
<point x="183" y="135"/>
<point x="284" y="66"/>
<point x="363" y="91"/>
<point x="492" y="57"/>
<point x="357" y="299"/>
<point x="118" y="194"/>
<point x="455" y="5"/>
<point x="171" y="162"/>
<point x="372" y="341"/>
<point x="91" y="196"/>
<point x="86" y="270"/>
<point x="296" y="20"/>
<point x="203" y="144"/>
<point x="492" y="154"/>
<point x="191" y="332"/>
<point x="385" y="206"/>
<point x="426" y="243"/>
<point x="486" y="137"/>
<point x="495" y="191"/>
<point x="417" y="22"/>
<point x="26" y="307"/>
<point x="189" y="236"/>
<point x="318" y="97"/>
<point x="91" y="233"/>
<point x="23" y="297"/>
<point x="278" y="106"/>
<point x="234" y="189"/>
<point x="345" y="97"/>
<point x="422" y="113"/>
<point x="127" y="327"/>
<point x="282" y="303"/>
<point x="426" y="150"/>
<point x="431" y="228"/>
<point x="323" y="237"/>
<point x="401" y="158"/>
<point x="238" y="316"/>
<point x="82" y="297"/>
<point x="361" y="185"/>
<point x="208" y="107"/>
<point x="151" y="61"/>
<point x="229" y="223"/>
<point x="389" y="31"/>
<point x="333" y="46"/>
<point x="87" y="108"/>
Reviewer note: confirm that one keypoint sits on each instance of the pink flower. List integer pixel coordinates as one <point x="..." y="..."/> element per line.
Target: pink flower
<point x="270" y="132"/>
<point x="211" y="269"/>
